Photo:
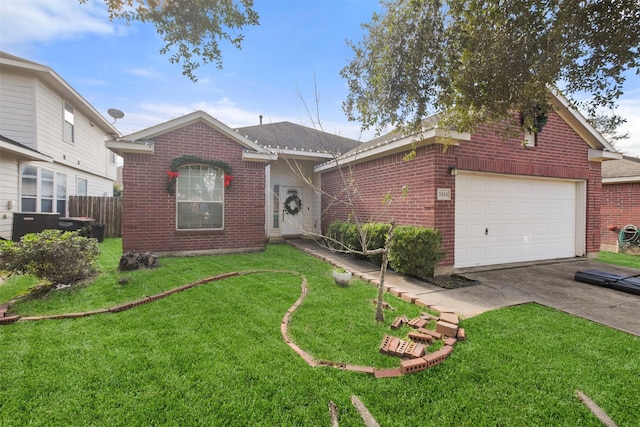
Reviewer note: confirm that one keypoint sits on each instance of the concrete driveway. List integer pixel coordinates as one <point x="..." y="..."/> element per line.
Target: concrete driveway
<point x="551" y="284"/>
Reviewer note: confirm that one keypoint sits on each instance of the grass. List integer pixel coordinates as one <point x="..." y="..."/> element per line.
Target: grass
<point x="624" y="260"/>
<point x="213" y="355"/>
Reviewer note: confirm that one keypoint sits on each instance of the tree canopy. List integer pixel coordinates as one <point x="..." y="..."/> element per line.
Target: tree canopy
<point x="482" y="60"/>
<point x="191" y="30"/>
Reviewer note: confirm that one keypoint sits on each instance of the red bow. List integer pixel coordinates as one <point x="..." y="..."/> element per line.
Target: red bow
<point x="227" y="180"/>
<point x="172" y="175"/>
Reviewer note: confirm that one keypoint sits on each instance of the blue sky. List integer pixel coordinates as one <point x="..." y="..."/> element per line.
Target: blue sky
<point x="298" y="49"/>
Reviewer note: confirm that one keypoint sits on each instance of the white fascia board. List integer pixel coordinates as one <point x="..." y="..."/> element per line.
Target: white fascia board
<point x="578" y="122"/>
<point x="430" y="136"/>
<point x="621" y="180"/>
<point x="302" y="155"/>
<point x="119" y="147"/>
<point x="602" y="155"/>
<point x="24" y="153"/>
<point x="252" y="156"/>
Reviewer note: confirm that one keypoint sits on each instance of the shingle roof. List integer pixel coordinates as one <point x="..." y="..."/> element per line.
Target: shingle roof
<point x="286" y="135"/>
<point x="627" y="167"/>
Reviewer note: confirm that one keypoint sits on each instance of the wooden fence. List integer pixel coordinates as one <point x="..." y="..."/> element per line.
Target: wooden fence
<point x="105" y="210"/>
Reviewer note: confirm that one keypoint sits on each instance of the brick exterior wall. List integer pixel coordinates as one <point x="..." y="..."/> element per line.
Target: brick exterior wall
<point x="620" y="207"/>
<point x="149" y="212"/>
<point x="559" y="153"/>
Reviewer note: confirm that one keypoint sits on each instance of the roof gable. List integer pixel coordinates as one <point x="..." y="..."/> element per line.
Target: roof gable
<point x="59" y="85"/>
<point x="397" y="140"/>
<point x="196" y="116"/>
<point x="579" y="123"/>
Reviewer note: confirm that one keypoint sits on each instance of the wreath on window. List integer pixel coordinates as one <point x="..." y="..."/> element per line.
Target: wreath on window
<point x="172" y="173"/>
<point x="293" y="204"/>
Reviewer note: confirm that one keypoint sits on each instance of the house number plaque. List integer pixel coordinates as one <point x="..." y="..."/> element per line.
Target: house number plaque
<point x="444" y="194"/>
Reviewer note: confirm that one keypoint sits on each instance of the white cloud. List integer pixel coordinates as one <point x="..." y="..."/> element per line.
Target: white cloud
<point x="23" y="22"/>
<point x="151" y="114"/>
<point x="144" y="72"/>
<point x="629" y="108"/>
<point x="228" y="112"/>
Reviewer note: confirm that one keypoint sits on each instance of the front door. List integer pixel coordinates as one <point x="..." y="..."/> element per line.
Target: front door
<point x="292" y="212"/>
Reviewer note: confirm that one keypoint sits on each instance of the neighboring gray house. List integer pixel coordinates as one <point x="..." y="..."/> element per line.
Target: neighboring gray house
<point x="52" y="143"/>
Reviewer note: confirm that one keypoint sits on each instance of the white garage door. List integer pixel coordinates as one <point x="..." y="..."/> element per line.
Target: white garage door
<point x="503" y="219"/>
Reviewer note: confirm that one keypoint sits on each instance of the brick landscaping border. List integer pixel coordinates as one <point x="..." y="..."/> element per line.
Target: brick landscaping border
<point x="417" y="362"/>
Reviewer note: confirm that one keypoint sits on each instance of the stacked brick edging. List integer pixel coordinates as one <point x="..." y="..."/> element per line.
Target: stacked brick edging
<point x="115" y="309"/>
<point x="414" y="365"/>
<point x="446" y="329"/>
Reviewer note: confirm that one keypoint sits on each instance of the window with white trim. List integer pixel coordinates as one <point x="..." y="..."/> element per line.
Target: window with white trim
<point x="69" y="123"/>
<point x="276" y="206"/>
<point x="42" y="190"/>
<point x="200" y="198"/>
<point x="46" y="190"/>
<point x="61" y="194"/>
<point x="82" y="187"/>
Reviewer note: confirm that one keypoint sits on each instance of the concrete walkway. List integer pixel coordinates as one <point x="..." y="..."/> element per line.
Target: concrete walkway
<point x="551" y="284"/>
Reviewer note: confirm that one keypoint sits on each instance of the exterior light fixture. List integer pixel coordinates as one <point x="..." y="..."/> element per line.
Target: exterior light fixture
<point x="453" y="170"/>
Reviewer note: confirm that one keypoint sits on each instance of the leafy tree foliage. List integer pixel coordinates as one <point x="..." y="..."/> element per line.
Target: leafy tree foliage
<point x="191" y="29"/>
<point x="481" y="60"/>
<point x="607" y="125"/>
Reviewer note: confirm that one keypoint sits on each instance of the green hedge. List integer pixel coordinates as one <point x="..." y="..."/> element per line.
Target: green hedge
<point x="414" y="251"/>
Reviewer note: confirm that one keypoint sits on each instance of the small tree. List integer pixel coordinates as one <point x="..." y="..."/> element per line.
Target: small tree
<point x="347" y="198"/>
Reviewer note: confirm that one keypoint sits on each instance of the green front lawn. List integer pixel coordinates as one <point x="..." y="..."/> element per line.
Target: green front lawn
<point x="213" y="355"/>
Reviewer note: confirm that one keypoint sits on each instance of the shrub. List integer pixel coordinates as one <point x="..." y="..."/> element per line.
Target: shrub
<point x="376" y="236"/>
<point x="55" y="255"/>
<point x="415" y="250"/>
<point x="346" y="233"/>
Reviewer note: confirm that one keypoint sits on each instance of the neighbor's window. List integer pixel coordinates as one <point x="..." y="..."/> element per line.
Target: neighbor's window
<point x="42" y="191"/>
<point x="276" y="206"/>
<point x="81" y="189"/>
<point x="200" y="197"/>
<point x="46" y="191"/>
<point x="61" y="194"/>
<point x="68" y="123"/>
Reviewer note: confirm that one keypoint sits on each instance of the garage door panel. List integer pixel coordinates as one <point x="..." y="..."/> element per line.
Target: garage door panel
<point x="477" y="208"/>
<point x="501" y="219"/>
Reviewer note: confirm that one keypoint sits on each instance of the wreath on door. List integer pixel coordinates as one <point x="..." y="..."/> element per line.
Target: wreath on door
<point x="293" y="204"/>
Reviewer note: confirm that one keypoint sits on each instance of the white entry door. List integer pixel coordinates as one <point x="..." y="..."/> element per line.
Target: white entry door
<point x="292" y="211"/>
<point x="504" y="219"/>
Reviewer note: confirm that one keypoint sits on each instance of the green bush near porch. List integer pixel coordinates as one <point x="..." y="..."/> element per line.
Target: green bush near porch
<point x="414" y="250"/>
